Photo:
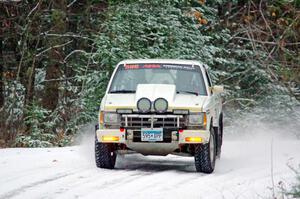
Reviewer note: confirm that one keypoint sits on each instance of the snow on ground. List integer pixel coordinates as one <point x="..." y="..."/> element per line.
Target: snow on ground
<point x="244" y="171"/>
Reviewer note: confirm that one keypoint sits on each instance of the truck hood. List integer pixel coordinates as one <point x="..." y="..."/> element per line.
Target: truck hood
<point x="152" y="92"/>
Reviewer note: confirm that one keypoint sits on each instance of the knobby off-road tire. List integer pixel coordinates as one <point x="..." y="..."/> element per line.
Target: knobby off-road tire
<point x="220" y="136"/>
<point x="105" y="155"/>
<point x="205" y="155"/>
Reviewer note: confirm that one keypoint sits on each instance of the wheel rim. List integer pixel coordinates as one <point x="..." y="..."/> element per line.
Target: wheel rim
<point x="212" y="149"/>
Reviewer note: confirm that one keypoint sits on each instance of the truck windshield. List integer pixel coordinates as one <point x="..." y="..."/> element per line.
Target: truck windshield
<point x="188" y="79"/>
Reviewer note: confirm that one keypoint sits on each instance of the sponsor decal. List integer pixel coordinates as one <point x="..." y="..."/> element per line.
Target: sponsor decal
<point x="160" y="66"/>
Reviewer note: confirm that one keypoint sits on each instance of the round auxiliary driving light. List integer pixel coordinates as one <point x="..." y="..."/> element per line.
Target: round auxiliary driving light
<point x="144" y="105"/>
<point x="161" y="105"/>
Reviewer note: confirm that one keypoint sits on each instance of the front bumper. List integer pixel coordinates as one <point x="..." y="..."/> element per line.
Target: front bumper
<point x="176" y="141"/>
<point x="179" y="138"/>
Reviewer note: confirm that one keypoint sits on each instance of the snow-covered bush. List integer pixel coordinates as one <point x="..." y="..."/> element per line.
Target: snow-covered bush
<point x="39" y="131"/>
<point x="11" y="113"/>
<point x="294" y="192"/>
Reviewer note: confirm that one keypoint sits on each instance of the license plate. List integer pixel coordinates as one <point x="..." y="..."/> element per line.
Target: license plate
<point x="152" y="135"/>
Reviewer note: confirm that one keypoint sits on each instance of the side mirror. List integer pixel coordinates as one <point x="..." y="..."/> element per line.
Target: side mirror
<point x="97" y="108"/>
<point x="217" y="89"/>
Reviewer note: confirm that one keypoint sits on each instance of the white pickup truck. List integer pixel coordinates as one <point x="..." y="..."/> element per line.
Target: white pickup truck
<point x="160" y="107"/>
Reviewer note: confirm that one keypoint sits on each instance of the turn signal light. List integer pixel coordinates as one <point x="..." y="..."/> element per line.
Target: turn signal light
<point x="193" y="139"/>
<point x="204" y="120"/>
<point x="101" y="118"/>
<point x="110" y="138"/>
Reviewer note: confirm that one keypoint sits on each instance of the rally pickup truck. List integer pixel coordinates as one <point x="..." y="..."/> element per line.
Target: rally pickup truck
<point x="160" y="107"/>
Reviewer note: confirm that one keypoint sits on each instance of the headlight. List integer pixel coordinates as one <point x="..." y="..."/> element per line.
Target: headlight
<point x="161" y="105"/>
<point x="197" y="119"/>
<point x="144" y="105"/>
<point x="111" y="118"/>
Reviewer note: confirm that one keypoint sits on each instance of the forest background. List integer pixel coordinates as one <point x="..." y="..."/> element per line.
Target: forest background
<point x="56" y="57"/>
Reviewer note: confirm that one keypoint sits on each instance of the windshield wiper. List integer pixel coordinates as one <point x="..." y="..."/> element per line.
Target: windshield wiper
<point x="122" y="91"/>
<point x="189" y="92"/>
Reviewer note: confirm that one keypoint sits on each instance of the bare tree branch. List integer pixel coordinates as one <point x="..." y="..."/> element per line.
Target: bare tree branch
<point x="52" y="47"/>
<point x="263" y="16"/>
<point x="73" y="52"/>
<point x="266" y="42"/>
<point x="33" y="9"/>
<point x="66" y="35"/>
<point x="71" y="3"/>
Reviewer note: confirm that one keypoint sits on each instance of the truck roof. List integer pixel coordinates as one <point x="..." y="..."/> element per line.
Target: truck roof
<point x="157" y="61"/>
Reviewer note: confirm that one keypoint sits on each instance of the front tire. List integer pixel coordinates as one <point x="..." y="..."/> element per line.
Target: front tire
<point x="220" y="136"/>
<point x="105" y="155"/>
<point x="205" y="155"/>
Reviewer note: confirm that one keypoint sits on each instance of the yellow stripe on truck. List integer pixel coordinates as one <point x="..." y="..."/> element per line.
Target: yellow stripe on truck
<point x="114" y="108"/>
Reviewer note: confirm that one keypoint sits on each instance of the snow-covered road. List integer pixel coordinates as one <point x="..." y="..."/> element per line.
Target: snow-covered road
<point x="244" y="171"/>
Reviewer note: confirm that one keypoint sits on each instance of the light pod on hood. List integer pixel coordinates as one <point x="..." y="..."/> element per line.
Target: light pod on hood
<point x="160" y="105"/>
<point x="144" y="105"/>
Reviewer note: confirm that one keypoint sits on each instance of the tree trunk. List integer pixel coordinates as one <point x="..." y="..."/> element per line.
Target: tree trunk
<point x="56" y="55"/>
<point x="30" y="85"/>
<point x="1" y="76"/>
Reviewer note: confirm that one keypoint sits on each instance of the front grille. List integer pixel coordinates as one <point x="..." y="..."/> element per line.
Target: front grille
<point x="153" y="121"/>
